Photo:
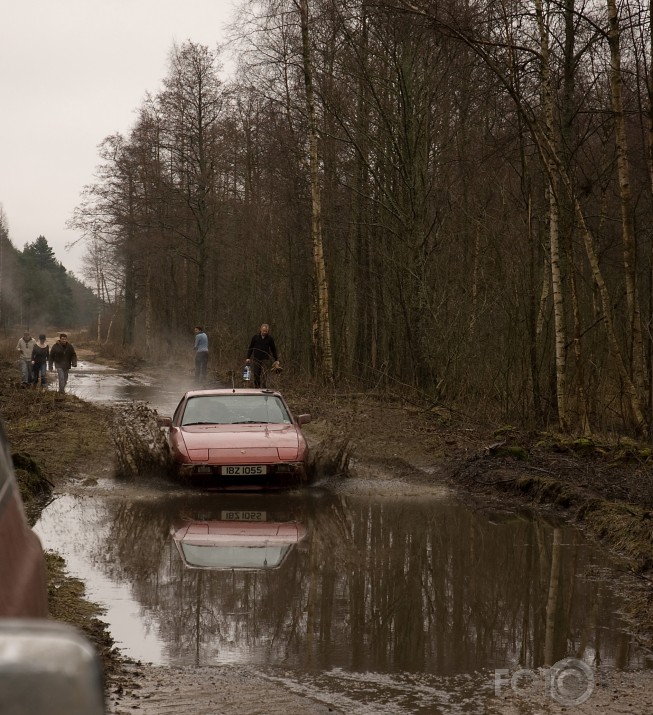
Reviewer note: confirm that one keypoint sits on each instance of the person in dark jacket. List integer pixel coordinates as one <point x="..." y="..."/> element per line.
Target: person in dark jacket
<point x="40" y="358"/>
<point x="63" y="356"/>
<point x="260" y="353"/>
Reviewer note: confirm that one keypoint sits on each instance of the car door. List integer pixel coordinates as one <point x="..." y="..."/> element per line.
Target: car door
<point x="23" y="582"/>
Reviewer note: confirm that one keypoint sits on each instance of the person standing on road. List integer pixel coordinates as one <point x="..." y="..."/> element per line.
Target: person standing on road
<point x="63" y="356"/>
<point x="25" y="346"/>
<point x="201" y="348"/>
<point x="260" y="353"/>
<point x="40" y="358"/>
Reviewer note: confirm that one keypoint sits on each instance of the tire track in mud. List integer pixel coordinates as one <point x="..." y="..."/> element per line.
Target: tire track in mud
<point x="160" y="690"/>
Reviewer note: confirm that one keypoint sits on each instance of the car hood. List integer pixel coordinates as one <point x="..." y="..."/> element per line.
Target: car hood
<point x="244" y="437"/>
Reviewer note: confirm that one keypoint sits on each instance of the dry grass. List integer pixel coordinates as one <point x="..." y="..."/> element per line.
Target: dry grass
<point x="140" y="444"/>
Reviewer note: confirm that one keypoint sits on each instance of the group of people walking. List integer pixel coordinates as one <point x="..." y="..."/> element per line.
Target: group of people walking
<point x="38" y="357"/>
<point x="261" y="356"/>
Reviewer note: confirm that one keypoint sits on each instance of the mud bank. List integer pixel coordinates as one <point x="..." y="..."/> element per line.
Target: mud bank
<point x="604" y="489"/>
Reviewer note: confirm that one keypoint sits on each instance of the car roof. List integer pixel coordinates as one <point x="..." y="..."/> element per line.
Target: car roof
<point x="231" y="391"/>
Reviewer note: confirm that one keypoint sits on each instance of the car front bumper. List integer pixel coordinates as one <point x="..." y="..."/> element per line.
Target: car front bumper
<point x="278" y="475"/>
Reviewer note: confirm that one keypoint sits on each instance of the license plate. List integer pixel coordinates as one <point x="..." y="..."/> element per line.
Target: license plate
<point x="243" y="515"/>
<point x="244" y="471"/>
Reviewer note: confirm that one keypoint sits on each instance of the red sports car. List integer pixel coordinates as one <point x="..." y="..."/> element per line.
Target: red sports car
<point x="238" y="438"/>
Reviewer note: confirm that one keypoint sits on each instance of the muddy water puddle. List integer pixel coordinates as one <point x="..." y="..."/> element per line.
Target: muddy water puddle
<point x="368" y="594"/>
<point x="319" y="582"/>
<point x="98" y="383"/>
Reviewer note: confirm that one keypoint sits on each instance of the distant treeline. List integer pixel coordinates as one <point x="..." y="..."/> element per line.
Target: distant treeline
<point x="37" y="293"/>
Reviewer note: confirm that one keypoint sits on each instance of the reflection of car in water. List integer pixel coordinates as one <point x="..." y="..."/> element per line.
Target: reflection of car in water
<point x="242" y="439"/>
<point x="238" y="535"/>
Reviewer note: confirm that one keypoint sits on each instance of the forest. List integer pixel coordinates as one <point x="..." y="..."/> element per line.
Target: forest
<point x="451" y="201"/>
<point x="37" y="293"/>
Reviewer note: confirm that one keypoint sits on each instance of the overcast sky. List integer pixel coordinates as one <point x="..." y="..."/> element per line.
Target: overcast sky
<point x="71" y="73"/>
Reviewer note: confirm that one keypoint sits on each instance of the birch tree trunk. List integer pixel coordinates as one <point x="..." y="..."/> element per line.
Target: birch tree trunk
<point x="98" y="287"/>
<point x="321" y="322"/>
<point x="554" y="228"/>
<point x="552" y="598"/>
<point x="555" y="168"/>
<point x="558" y="309"/>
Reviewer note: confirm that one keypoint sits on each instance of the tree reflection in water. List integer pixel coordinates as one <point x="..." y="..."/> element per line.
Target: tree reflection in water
<point x="401" y="584"/>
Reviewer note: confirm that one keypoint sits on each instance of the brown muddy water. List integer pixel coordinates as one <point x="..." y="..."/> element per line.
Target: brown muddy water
<point x="358" y="594"/>
<point x="97" y="383"/>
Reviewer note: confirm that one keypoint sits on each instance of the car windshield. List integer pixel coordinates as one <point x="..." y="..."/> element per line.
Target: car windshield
<point x="234" y="409"/>
<point x="234" y="557"/>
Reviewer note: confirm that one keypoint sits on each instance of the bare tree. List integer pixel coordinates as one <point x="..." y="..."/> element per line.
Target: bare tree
<point x="321" y="322"/>
<point x="191" y="105"/>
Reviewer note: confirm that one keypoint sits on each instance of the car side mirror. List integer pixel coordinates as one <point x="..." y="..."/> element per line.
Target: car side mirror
<point x="164" y="421"/>
<point x="48" y="668"/>
<point x="303" y="419"/>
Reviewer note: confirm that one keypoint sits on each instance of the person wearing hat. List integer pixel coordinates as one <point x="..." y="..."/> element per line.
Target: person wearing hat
<point x="40" y="357"/>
